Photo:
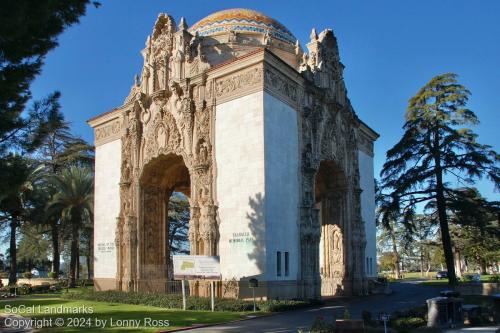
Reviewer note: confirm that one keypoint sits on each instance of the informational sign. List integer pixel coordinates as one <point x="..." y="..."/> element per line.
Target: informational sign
<point x="196" y="267"/>
<point x="105" y="247"/>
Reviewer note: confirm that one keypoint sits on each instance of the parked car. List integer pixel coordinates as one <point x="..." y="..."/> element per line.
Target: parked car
<point x="441" y="275"/>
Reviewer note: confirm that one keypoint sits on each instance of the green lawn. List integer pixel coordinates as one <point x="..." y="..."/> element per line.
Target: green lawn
<point x="434" y="282"/>
<point x="111" y="314"/>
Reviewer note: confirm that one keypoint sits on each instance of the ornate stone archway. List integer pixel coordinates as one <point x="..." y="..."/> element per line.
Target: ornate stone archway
<point x="330" y="200"/>
<point x="162" y="118"/>
<point x="160" y="177"/>
<point x="329" y="136"/>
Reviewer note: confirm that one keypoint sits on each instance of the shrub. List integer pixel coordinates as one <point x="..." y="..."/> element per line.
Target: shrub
<point x="193" y="303"/>
<point x="367" y="317"/>
<point x="41" y="289"/>
<point x="53" y="275"/>
<point x="468" y="278"/>
<point x="27" y="275"/>
<point x="320" y="325"/>
<point x="495" y="278"/>
<point x="407" y="324"/>
<point x="285" y="305"/>
<point x="23" y="289"/>
<point x="382" y="279"/>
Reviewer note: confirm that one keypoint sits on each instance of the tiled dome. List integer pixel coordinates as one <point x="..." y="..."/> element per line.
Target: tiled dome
<point x="243" y="21"/>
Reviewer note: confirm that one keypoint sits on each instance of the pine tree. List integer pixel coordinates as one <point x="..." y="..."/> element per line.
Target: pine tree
<point x="73" y="202"/>
<point x="28" y="31"/>
<point x="436" y="146"/>
<point x="476" y="232"/>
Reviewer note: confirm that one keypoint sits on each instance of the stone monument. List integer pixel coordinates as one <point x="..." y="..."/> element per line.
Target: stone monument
<point x="262" y="139"/>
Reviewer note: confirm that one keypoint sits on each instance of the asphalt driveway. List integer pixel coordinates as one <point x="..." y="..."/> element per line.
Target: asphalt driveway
<point x="405" y="295"/>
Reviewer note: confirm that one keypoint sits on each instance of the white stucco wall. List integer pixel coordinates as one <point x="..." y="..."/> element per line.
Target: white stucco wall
<point x="239" y="155"/>
<point x="368" y="211"/>
<point x="282" y="186"/>
<point x="106" y="207"/>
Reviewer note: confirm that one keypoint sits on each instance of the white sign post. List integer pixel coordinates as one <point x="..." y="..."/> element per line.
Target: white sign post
<point x="183" y="285"/>
<point x="188" y="267"/>
<point x="212" y="295"/>
<point x="385" y="318"/>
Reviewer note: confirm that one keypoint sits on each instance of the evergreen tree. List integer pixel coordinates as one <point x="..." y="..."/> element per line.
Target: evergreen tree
<point x="28" y="31"/>
<point x="15" y="200"/>
<point x="178" y="224"/>
<point x="33" y="248"/>
<point x="477" y="232"/>
<point x="436" y="144"/>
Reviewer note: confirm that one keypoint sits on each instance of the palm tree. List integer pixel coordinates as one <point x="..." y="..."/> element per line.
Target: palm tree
<point x="57" y="148"/>
<point x="73" y="202"/>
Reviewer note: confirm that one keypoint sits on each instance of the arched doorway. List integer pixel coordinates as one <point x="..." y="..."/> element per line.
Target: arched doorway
<point x="330" y="201"/>
<point x="160" y="179"/>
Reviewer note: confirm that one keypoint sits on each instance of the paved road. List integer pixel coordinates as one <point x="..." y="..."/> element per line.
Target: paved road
<point x="405" y="295"/>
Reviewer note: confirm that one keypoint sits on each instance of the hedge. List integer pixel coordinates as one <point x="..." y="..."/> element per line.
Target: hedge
<point x="193" y="303"/>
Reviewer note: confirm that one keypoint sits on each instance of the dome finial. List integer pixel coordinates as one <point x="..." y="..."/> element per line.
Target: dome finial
<point x="182" y="24"/>
<point x="298" y="48"/>
<point x="314" y="35"/>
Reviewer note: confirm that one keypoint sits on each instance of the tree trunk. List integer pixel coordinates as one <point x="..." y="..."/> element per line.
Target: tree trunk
<point x="74" y="254"/>
<point x="443" y="224"/>
<point x="56" y="263"/>
<point x="458" y="263"/>
<point x="13" y="252"/>
<point x="483" y="266"/>
<point x="421" y="261"/>
<point x="88" y="267"/>
<point x="90" y="257"/>
<point x="442" y="216"/>
<point x="396" y="256"/>
<point x="77" y="267"/>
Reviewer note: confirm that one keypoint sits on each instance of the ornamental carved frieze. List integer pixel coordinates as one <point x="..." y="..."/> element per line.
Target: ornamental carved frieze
<point x="236" y="85"/>
<point x="281" y="86"/>
<point x="107" y="132"/>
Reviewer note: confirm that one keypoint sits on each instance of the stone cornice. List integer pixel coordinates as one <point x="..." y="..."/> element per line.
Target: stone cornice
<point x="366" y="139"/>
<point x="104" y="117"/>
<point x="372" y="135"/>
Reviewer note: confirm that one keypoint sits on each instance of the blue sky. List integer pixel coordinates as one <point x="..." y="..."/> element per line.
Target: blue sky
<point x="390" y="49"/>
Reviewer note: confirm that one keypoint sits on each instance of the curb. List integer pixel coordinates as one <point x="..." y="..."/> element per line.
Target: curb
<point x="216" y="324"/>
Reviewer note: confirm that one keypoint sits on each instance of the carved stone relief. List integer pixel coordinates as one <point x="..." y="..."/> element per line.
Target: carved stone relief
<point x="107" y="132"/>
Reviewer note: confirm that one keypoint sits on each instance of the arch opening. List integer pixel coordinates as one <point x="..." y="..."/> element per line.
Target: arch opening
<point x="330" y="201"/>
<point x="165" y="188"/>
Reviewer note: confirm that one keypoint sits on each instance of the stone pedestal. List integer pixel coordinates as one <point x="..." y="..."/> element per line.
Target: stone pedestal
<point x="444" y="312"/>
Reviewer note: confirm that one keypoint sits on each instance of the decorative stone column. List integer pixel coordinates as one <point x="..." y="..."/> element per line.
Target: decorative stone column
<point x="194" y="222"/>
